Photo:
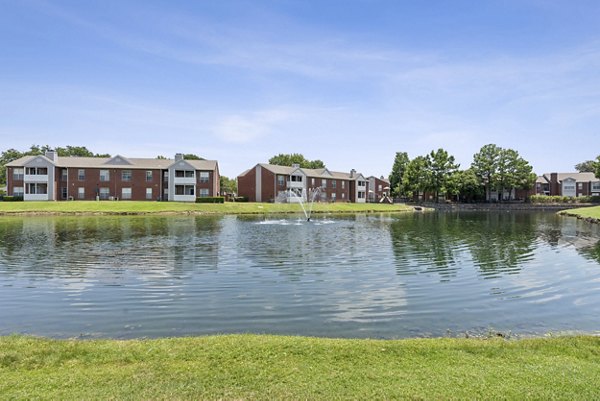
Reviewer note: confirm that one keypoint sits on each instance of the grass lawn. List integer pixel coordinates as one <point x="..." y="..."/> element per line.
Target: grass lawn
<point x="140" y="207"/>
<point x="235" y="367"/>
<point x="593" y="212"/>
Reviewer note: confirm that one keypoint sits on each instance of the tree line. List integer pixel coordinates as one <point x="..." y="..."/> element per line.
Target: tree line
<point x="494" y="169"/>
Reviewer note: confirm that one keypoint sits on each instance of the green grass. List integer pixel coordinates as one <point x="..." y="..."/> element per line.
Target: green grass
<point x="133" y="207"/>
<point x="237" y="367"/>
<point x="593" y="212"/>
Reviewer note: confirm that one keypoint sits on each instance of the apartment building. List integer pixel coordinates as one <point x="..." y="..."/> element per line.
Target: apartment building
<point x="379" y="189"/>
<point x="271" y="183"/>
<point x="50" y="177"/>
<point x="568" y="184"/>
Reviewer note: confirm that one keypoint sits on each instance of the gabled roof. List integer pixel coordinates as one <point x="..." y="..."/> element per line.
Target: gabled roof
<point x="312" y="173"/>
<point x="579" y="177"/>
<point x="104" y="162"/>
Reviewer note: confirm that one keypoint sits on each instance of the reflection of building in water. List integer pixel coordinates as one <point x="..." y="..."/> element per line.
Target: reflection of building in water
<point x="107" y="248"/>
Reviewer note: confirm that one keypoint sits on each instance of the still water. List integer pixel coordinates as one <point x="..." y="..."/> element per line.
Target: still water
<point x="378" y="276"/>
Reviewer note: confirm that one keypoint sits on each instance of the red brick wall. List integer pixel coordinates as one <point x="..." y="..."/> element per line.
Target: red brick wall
<point x="247" y="185"/>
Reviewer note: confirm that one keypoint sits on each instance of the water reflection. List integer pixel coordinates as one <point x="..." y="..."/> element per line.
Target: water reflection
<point x="344" y="276"/>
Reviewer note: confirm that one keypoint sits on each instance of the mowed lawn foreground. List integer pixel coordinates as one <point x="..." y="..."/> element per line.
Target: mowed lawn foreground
<point x="235" y="367"/>
<point x="593" y="212"/>
<point x="149" y="207"/>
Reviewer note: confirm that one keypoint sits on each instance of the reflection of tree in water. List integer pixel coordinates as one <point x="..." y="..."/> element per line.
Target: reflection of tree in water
<point x="591" y="252"/>
<point x="501" y="242"/>
<point x="426" y="243"/>
<point x="497" y="242"/>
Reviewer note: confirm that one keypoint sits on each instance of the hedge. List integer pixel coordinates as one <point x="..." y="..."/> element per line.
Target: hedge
<point x="211" y="199"/>
<point x="563" y="199"/>
<point x="7" y="198"/>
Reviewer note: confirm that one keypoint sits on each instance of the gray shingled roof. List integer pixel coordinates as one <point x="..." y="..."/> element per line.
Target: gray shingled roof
<point x="100" y="162"/>
<point x="579" y="177"/>
<point x="316" y="173"/>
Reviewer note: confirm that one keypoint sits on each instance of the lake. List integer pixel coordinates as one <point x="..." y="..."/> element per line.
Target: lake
<point x="358" y="276"/>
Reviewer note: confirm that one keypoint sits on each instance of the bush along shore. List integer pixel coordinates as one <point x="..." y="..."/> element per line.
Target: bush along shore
<point x="262" y="367"/>
<point x="148" y="208"/>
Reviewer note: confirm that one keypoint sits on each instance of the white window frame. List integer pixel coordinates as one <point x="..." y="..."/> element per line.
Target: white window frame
<point x="126" y="193"/>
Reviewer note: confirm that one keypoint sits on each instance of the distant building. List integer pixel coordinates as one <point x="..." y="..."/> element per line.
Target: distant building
<point x="50" y="177"/>
<point x="271" y="183"/>
<point x="568" y="184"/>
<point x="379" y="188"/>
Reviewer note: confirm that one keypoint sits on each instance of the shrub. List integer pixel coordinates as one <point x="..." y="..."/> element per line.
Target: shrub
<point x="7" y="198"/>
<point x="241" y="199"/>
<point x="211" y="199"/>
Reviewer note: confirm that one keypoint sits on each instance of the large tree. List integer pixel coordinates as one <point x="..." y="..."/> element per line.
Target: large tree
<point x="295" y="158"/>
<point x="400" y="162"/>
<point x="441" y="166"/>
<point x="228" y="185"/>
<point x="417" y="176"/>
<point x="597" y="167"/>
<point x="585" y="167"/>
<point x="465" y="186"/>
<point x="485" y="166"/>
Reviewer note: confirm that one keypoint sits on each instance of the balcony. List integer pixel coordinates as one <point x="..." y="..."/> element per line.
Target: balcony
<point x="35" y="197"/>
<point x="35" y="178"/>
<point x="295" y="184"/>
<point x="184" y="198"/>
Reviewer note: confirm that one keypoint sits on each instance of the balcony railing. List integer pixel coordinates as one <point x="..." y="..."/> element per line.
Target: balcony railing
<point x="35" y="178"/>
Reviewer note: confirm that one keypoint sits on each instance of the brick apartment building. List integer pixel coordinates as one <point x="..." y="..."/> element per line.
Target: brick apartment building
<point x="270" y="183"/>
<point x="568" y="184"/>
<point x="50" y="177"/>
<point x="379" y="188"/>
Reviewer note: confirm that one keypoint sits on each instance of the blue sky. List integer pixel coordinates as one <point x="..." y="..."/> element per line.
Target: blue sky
<point x="347" y="82"/>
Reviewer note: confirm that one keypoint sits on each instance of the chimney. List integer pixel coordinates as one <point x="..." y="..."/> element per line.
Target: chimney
<point x="50" y="154"/>
<point x="352" y="172"/>
<point x="178" y="156"/>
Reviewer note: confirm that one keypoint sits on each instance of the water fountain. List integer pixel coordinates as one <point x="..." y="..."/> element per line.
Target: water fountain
<point x="312" y="195"/>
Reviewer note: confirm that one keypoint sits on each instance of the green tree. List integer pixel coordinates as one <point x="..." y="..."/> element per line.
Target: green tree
<point x="400" y="162"/>
<point x="597" y="167"/>
<point x="464" y="185"/>
<point x="585" y="167"/>
<point x="228" y="185"/>
<point x="417" y="177"/>
<point x="191" y="156"/>
<point x="485" y="166"/>
<point x="295" y="158"/>
<point x="441" y="166"/>
<point x="161" y="157"/>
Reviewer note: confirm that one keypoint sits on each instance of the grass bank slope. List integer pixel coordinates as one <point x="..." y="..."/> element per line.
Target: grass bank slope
<point x="136" y="207"/>
<point x="584" y="212"/>
<point x="235" y="367"/>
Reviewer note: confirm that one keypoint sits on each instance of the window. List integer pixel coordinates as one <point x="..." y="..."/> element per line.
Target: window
<point x="104" y="193"/>
<point x="126" y="175"/>
<point x="580" y="185"/>
<point x="204" y="176"/>
<point x="148" y="193"/>
<point x="361" y="195"/>
<point x="361" y="183"/>
<point x="343" y="184"/>
<point x="343" y="194"/>
<point x="184" y="190"/>
<point x="596" y="186"/>
<point x="312" y="182"/>
<point x="148" y="176"/>
<point x="81" y="174"/>
<point x="334" y="184"/>
<point x="569" y="187"/>
<point x="324" y="183"/>
<point x="104" y="175"/>
<point x="166" y="175"/>
<point x="280" y="180"/>
<point x="18" y="174"/>
<point x="63" y="174"/>
<point x="126" y="193"/>
<point x="36" y="189"/>
<point x="36" y="171"/>
<point x="81" y="193"/>
<point x="296" y="178"/>
<point x="185" y="173"/>
<point x="18" y="191"/>
<point x="203" y="192"/>
<point x="63" y="192"/>
<point x="333" y="196"/>
<point x="380" y="187"/>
